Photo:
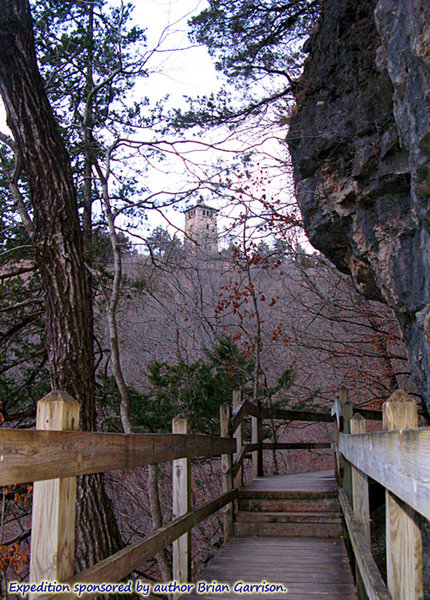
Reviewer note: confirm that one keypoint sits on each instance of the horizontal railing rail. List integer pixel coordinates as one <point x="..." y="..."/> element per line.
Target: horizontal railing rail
<point x="297" y="415"/>
<point x="119" y="565"/>
<point x="57" y="448"/>
<point x="40" y="455"/>
<point x="247" y="409"/>
<point x="398" y="458"/>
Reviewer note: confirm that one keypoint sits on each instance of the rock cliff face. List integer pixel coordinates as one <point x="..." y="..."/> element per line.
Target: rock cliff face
<point x="360" y="144"/>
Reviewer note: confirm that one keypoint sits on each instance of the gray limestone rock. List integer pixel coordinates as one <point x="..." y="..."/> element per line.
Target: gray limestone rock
<point x="360" y="145"/>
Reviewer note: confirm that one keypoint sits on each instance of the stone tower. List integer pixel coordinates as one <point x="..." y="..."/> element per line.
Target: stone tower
<point x="201" y="228"/>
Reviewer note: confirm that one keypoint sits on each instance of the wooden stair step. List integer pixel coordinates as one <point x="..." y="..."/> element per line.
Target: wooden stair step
<point x="289" y="517"/>
<point x="277" y="494"/>
<point x="295" y="504"/>
<point x="287" y="529"/>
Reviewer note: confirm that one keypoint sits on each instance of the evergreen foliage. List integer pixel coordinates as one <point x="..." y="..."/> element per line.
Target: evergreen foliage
<point x="162" y="245"/>
<point x="251" y="39"/>
<point x="90" y="56"/>
<point x="196" y="389"/>
<point x="258" y="46"/>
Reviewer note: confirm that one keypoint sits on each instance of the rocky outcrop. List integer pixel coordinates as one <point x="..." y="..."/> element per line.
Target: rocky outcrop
<point x="360" y="145"/>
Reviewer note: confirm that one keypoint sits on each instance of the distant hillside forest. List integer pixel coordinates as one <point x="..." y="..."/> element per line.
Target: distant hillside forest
<point x="180" y="312"/>
<point x="88" y="164"/>
<point x="282" y="325"/>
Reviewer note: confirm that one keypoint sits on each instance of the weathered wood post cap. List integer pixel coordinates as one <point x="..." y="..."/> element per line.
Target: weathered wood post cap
<point x="58" y="396"/>
<point x="179" y="419"/>
<point x="400" y="396"/>
<point x="58" y="411"/>
<point x="344" y="395"/>
<point x="400" y="411"/>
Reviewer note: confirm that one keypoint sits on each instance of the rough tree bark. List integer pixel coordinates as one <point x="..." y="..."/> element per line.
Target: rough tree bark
<point x="58" y="251"/>
<point x="112" y="304"/>
<point x="157" y="519"/>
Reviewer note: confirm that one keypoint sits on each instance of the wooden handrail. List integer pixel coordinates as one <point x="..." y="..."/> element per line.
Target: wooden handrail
<point x="246" y="448"/>
<point x="40" y="455"/>
<point x="296" y="445"/>
<point x="391" y="458"/>
<point x="245" y="409"/>
<point x="120" y="564"/>
<point x="55" y="454"/>
<point x="370" y="575"/>
<point x="248" y="408"/>
<point x="43" y="455"/>
<point x="296" y="415"/>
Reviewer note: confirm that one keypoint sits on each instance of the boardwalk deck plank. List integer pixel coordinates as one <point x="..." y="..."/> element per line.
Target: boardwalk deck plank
<point x="311" y="568"/>
<point x="320" y="570"/>
<point x="318" y="481"/>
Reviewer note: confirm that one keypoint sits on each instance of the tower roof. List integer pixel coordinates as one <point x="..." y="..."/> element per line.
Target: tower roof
<point x="202" y="205"/>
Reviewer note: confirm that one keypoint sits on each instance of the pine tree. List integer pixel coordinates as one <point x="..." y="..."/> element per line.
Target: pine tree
<point x="57" y="242"/>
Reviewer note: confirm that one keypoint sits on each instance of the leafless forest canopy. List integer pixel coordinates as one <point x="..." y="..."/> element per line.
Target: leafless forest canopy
<point x="140" y="337"/>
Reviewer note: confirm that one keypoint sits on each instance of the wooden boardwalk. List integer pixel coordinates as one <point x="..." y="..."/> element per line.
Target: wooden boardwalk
<point x="314" y="481"/>
<point x="311" y="568"/>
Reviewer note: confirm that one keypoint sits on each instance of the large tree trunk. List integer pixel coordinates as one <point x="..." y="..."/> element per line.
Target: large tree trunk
<point x="58" y="250"/>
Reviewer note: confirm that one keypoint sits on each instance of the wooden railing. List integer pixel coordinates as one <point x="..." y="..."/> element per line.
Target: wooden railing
<point x="398" y="458"/>
<point x="53" y="449"/>
<point x="243" y="409"/>
<point x="56" y="447"/>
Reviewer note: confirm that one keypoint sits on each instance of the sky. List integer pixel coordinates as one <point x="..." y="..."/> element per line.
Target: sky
<point x="184" y="70"/>
<point x="178" y="69"/>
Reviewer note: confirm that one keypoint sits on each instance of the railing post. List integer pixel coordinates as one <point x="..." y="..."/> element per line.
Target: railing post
<point x="336" y="413"/>
<point x="360" y="500"/>
<point x="227" y="480"/>
<point x="181" y="473"/>
<point x="360" y="485"/>
<point x="257" y="438"/>
<point x="404" y="540"/>
<point x="54" y="501"/>
<point x="347" y="412"/>
<point x="238" y="436"/>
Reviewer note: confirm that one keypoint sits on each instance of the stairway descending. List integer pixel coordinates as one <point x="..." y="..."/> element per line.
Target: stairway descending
<point x="293" y="512"/>
<point x="284" y="534"/>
